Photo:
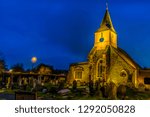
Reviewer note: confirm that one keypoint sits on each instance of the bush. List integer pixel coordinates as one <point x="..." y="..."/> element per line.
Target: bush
<point x="39" y="87"/>
<point x="61" y="85"/>
<point x="130" y="85"/>
<point x="53" y="90"/>
<point x="141" y="87"/>
<point x="48" y="86"/>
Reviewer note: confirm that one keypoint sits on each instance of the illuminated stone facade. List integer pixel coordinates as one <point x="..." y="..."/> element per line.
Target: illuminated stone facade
<point x="44" y="69"/>
<point x="106" y="61"/>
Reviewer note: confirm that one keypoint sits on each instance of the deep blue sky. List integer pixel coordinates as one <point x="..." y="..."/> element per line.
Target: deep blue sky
<point x="60" y="32"/>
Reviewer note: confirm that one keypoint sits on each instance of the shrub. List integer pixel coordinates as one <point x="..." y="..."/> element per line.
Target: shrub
<point x="141" y="87"/>
<point x="53" y="90"/>
<point x="130" y="85"/>
<point x="61" y="85"/>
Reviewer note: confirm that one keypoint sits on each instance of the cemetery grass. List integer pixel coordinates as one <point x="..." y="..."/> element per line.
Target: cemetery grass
<point x="134" y="94"/>
<point x="131" y="94"/>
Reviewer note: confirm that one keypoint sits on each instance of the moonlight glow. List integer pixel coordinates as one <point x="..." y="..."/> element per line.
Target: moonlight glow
<point x="34" y="60"/>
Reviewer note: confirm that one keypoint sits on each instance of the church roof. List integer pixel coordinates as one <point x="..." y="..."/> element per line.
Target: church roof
<point x="79" y="63"/>
<point x="106" y="23"/>
<point x="126" y="57"/>
<point x="145" y="72"/>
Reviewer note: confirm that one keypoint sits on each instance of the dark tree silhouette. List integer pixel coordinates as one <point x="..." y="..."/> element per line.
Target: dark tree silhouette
<point x="3" y="65"/>
<point x="18" y="67"/>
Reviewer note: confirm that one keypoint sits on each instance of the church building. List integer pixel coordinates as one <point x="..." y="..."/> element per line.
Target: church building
<point x="107" y="62"/>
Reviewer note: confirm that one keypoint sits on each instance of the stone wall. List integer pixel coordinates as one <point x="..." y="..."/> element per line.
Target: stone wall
<point x="143" y="74"/>
<point x="119" y="70"/>
<point x="85" y="73"/>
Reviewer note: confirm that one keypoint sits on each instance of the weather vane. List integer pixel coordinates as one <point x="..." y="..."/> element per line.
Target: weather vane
<point x="106" y="4"/>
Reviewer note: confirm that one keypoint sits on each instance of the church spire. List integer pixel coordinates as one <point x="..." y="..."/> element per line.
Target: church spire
<point x="106" y="6"/>
<point x="106" y="22"/>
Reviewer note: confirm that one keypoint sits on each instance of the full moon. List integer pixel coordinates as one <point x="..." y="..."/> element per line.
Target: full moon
<point x="34" y="60"/>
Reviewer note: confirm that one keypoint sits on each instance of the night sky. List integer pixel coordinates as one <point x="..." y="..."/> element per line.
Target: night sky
<point x="60" y="32"/>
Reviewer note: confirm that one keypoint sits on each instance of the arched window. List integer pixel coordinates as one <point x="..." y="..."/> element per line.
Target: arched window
<point x="100" y="68"/>
<point x="78" y="72"/>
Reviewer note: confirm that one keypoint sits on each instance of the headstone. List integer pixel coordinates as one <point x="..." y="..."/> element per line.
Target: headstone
<point x="91" y="88"/>
<point x="30" y="80"/>
<point x="107" y="90"/>
<point x="34" y="83"/>
<point x="121" y="91"/>
<point x="98" y="88"/>
<point x="25" y="81"/>
<point x="20" y="81"/>
<point x="12" y="82"/>
<point x="113" y="91"/>
<point x="8" y="82"/>
<point x="74" y="87"/>
<point x="39" y="80"/>
<point x="44" y="91"/>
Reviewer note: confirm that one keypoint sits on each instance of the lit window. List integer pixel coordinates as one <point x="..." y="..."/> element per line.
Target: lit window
<point x="100" y="68"/>
<point x="78" y="74"/>
<point x="146" y="80"/>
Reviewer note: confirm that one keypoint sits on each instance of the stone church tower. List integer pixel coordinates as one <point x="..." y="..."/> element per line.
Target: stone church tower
<point x="106" y="61"/>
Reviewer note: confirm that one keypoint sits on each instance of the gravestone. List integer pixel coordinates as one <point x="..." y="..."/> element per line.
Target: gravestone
<point x="39" y="80"/>
<point x="8" y="83"/>
<point x="74" y="87"/>
<point x="91" y="88"/>
<point x="121" y="91"/>
<point x="20" y="81"/>
<point x="113" y="91"/>
<point x="34" y="83"/>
